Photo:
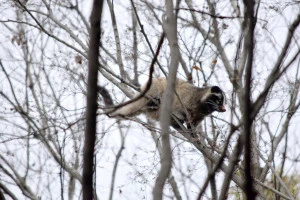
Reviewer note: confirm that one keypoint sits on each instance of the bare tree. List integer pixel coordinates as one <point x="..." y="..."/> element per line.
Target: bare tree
<point x="91" y="108"/>
<point x="248" y="48"/>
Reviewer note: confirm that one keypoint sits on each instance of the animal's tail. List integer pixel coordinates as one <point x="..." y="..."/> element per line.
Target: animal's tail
<point x="105" y="96"/>
<point x="130" y="109"/>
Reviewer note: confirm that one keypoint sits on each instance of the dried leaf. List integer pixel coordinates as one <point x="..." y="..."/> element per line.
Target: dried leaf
<point x="78" y="59"/>
<point x="17" y="39"/>
<point x="196" y="68"/>
<point x="224" y="26"/>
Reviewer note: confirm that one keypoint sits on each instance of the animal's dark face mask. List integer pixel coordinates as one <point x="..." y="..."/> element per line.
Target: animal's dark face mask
<point x="217" y="99"/>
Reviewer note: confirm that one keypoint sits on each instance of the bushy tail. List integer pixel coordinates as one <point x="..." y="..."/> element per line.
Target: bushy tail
<point x="105" y="96"/>
<point x="131" y="109"/>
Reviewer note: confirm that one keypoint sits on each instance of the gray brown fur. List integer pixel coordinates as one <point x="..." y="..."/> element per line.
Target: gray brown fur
<point x="191" y="107"/>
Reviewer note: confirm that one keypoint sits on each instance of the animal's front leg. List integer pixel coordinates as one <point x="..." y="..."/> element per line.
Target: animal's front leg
<point x="190" y="123"/>
<point x="177" y="123"/>
<point x="191" y="126"/>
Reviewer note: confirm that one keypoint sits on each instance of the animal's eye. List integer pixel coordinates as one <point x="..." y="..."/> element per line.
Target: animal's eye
<point x="213" y="98"/>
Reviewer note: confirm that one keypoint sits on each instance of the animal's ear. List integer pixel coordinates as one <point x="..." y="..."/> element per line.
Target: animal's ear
<point x="215" y="89"/>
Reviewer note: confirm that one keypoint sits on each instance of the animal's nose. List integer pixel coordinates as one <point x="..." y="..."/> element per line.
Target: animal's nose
<point x="222" y="109"/>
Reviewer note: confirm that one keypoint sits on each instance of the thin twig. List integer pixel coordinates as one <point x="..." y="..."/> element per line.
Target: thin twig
<point x="272" y="189"/>
<point x="118" y="156"/>
<point x="50" y="34"/>
<point x="209" y="14"/>
<point x="123" y="73"/>
<point x="149" y="82"/>
<point x="218" y="164"/>
<point x="145" y="35"/>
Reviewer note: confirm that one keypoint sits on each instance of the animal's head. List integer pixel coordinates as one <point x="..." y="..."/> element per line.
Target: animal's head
<point x="216" y="99"/>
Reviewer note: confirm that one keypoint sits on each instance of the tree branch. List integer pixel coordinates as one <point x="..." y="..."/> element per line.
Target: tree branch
<point x="170" y="28"/>
<point x="91" y="112"/>
<point x="249" y="44"/>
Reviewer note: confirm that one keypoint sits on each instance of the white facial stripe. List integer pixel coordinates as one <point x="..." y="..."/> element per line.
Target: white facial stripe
<point x="203" y="99"/>
<point x="218" y="94"/>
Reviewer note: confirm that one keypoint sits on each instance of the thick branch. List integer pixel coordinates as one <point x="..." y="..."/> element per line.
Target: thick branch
<point x="249" y="44"/>
<point x="90" y="131"/>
